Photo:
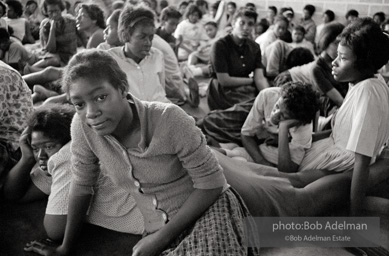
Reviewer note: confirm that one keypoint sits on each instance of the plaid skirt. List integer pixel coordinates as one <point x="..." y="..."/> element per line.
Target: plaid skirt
<point x="220" y="231"/>
<point x="225" y="125"/>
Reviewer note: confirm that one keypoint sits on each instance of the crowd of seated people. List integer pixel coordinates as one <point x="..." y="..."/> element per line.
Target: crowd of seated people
<point x="295" y="109"/>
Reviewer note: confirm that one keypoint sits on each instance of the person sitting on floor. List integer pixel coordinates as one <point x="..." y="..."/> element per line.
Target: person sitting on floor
<point x="203" y="52"/>
<point x="190" y="32"/>
<point x="13" y="52"/>
<point x="111" y="36"/>
<point x="57" y="36"/>
<point x="20" y="26"/>
<point x="90" y="20"/>
<point x="308" y="23"/>
<point x="360" y="128"/>
<point x="275" y="60"/>
<point x="45" y="171"/>
<point x="170" y="17"/>
<point x="15" y="109"/>
<point x="278" y="129"/>
<point x="328" y="16"/>
<point x="143" y="64"/>
<point x="273" y="33"/>
<point x="224" y="126"/>
<point x="236" y="61"/>
<point x="318" y="73"/>
<point x="174" y="166"/>
<point x="3" y="11"/>
<point x="32" y="14"/>
<point x="298" y="34"/>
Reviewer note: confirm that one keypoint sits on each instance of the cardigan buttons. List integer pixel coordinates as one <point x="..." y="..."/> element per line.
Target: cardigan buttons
<point x="155" y="202"/>
<point x="164" y="216"/>
<point x="137" y="183"/>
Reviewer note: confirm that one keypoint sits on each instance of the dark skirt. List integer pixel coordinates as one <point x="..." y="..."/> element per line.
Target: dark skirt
<point x="220" y="97"/>
<point x="225" y="125"/>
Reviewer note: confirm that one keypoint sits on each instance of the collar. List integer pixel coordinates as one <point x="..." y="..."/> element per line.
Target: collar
<point x="139" y="107"/>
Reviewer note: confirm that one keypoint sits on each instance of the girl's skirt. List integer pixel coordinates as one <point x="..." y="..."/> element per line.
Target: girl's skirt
<point x="219" y="231"/>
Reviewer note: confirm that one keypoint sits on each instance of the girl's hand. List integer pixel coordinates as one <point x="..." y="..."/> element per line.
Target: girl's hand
<point x="25" y="144"/>
<point x="149" y="246"/>
<point x="46" y="249"/>
<point x="289" y="123"/>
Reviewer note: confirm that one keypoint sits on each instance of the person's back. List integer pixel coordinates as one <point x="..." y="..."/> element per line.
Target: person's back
<point x="15" y="108"/>
<point x="16" y="104"/>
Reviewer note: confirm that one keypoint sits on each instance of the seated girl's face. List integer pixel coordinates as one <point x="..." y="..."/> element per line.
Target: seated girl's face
<point x="111" y="33"/>
<point x="211" y="31"/>
<point x="170" y="25"/>
<point x="279" y="112"/>
<point x="243" y="27"/>
<point x="54" y="11"/>
<point x="194" y="17"/>
<point x="44" y="147"/>
<point x="100" y="105"/>
<point x="83" y="20"/>
<point x="11" y="13"/>
<point x="32" y="7"/>
<point x="141" y="40"/>
<point x="343" y="67"/>
<point x="297" y="36"/>
<point x="280" y="28"/>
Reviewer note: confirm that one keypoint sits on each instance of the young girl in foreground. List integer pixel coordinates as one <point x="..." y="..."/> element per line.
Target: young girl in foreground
<point x="155" y="151"/>
<point x="361" y="125"/>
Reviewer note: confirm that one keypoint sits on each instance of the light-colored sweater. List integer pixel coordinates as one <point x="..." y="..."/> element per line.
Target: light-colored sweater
<point x="171" y="160"/>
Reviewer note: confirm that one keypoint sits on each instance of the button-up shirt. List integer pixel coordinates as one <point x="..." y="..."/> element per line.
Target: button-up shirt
<point x="146" y="78"/>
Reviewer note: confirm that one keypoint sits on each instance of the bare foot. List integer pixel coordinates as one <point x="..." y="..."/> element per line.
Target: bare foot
<point x="41" y="93"/>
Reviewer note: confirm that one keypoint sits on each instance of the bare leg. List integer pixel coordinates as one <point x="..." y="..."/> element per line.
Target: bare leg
<point x="41" y="93"/>
<point x="192" y="59"/>
<point x="301" y="179"/>
<point x="44" y="76"/>
<point x="328" y="192"/>
<point x="47" y="62"/>
<point x="58" y="99"/>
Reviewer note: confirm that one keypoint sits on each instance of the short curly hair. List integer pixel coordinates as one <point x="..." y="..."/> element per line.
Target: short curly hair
<point x="131" y="17"/>
<point x="330" y="14"/>
<point x="298" y="57"/>
<point x="16" y="6"/>
<point x="53" y="120"/>
<point x="245" y="12"/>
<point x="170" y="12"/>
<point x="94" y="65"/>
<point x="329" y="34"/>
<point x="95" y="13"/>
<point x="60" y="3"/>
<point x="310" y="8"/>
<point x="368" y="43"/>
<point x="300" y="100"/>
<point x="192" y="8"/>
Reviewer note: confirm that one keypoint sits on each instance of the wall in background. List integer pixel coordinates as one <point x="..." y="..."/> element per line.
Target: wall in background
<point x="340" y="7"/>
